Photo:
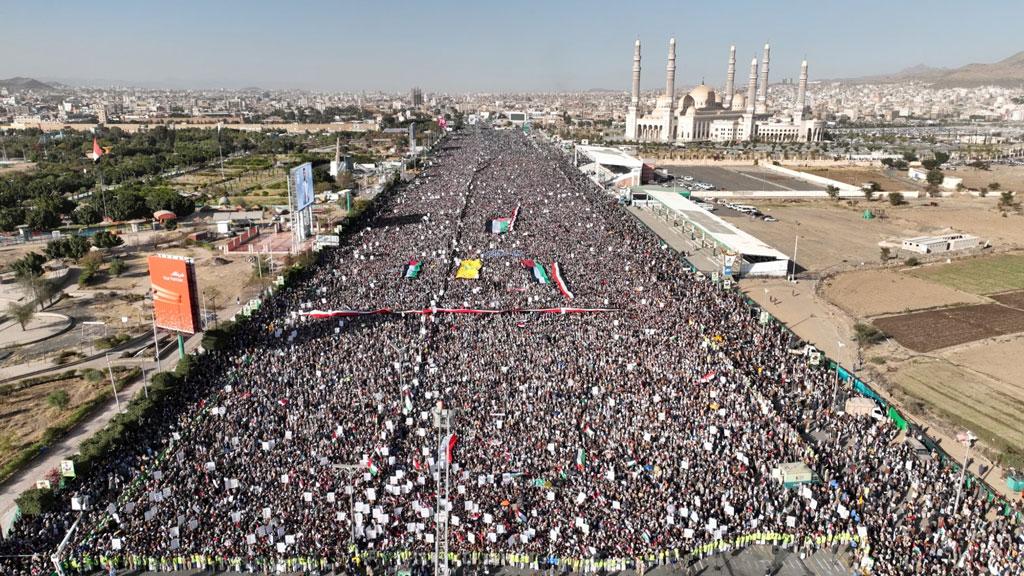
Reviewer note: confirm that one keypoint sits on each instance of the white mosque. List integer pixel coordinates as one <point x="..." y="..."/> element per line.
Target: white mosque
<point x="706" y="115"/>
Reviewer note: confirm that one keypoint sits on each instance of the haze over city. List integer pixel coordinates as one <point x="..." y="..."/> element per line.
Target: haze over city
<point x="453" y="46"/>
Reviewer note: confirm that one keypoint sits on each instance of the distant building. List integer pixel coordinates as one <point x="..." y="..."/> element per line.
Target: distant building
<point x="415" y="97"/>
<point x="944" y="243"/>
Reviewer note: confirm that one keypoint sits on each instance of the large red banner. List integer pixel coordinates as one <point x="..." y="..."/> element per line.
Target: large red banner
<point x="175" y="301"/>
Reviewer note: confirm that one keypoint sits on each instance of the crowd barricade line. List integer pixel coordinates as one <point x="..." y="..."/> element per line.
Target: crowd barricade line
<point x="178" y="562"/>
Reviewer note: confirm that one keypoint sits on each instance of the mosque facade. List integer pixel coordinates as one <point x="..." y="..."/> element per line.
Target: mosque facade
<point x="729" y="116"/>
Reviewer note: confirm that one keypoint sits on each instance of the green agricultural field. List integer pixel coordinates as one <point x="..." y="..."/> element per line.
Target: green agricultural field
<point x="988" y="275"/>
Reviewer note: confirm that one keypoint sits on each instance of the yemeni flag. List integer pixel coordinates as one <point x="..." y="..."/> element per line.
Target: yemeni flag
<point x="501" y="225"/>
<point x="539" y="273"/>
<point x="561" y="282"/>
<point x="708" y="376"/>
<point x="412" y="269"/>
<point x="96" y="150"/>
<point x="581" y="458"/>
<point x="446" y="449"/>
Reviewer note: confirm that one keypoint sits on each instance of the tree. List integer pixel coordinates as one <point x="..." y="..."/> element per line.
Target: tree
<point x="1006" y="200"/>
<point x="58" y="399"/>
<point x="86" y="214"/>
<point x="22" y="313"/>
<point x="869" y="194"/>
<point x="930" y="164"/>
<point x="11" y="217"/>
<point x="29" y="265"/>
<point x="43" y="216"/>
<point x="909" y="156"/>
<point x="941" y="157"/>
<point x="73" y="247"/>
<point x="105" y="239"/>
<point x="886" y="253"/>
<point x="896" y="199"/>
<point x="935" y="176"/>
<point x="832" y="191"/>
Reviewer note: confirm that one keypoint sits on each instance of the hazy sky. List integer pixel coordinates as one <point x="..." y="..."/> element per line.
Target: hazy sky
<point x="447" y="45"/>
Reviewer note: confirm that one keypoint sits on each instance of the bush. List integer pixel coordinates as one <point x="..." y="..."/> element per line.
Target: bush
<point x="913" y="261"/>
<point x="866" y="334"/>
<point x="58" y="399"/>
<point x="896" y="199"/>
<point x="36" y="501"/>
<point x="92" y="375"/>
<point x="118" y="266"/>
<point x="104" y="239"/>
<point x="108" y="342"/>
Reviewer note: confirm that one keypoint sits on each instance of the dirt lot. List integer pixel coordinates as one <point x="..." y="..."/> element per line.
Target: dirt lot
<point x="1008" y="177"/>
<point x="25" y="414"/>
<point x="964" y="398"/>
<point x="835" y="233"/>
<point x="831" y="233"/>
<point x="857" y="176"/>
<point x="987" y="275"/>
<point x="866" y="293"/>
<point x="934" y="329"/>
<point x="998" y="358"/>
<point x="1011" y="299"/>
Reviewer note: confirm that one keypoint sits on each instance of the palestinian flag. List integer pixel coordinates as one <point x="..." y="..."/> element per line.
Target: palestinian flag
<point x="446" y="449"/>
<point x="561" y="282"/>
<point x="371" y="466"/>
<point x="412" y="269"/>
<point x="501" y="225"/>
<point x="581" y="458"/>
<point x="539" y="273"/>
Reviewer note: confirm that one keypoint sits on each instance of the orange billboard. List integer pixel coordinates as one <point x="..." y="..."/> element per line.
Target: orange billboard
<point x="175" y="301"/>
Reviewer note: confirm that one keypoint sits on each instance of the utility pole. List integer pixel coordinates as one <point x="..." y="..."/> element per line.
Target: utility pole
<point x="796" y="245"/>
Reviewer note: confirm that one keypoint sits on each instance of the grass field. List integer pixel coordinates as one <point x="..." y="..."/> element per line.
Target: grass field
<point x="988" y="275"/>
<point x="966" y="399"/>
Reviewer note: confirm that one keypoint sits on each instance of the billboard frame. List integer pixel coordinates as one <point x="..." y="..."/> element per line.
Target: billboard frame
<point x="161" y="307"/>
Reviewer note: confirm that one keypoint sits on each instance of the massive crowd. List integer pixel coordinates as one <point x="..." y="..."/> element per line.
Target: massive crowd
<point x="647" y="431"/>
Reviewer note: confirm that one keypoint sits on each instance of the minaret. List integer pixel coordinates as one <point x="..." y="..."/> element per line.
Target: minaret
<point x="670" y="74"/>
<point x="668" y="123"/>
<point x="752" y="86"/>
<point x="730" y="78"/>
<point x="762" y="97"/>
<point x="634" y="101"/>
<point x="801" y="93"/>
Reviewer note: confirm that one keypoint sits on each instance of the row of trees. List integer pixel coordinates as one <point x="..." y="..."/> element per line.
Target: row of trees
<point x="64" y="176"/>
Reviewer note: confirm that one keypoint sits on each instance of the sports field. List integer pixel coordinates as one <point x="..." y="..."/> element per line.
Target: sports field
<point x="988" y="275"/>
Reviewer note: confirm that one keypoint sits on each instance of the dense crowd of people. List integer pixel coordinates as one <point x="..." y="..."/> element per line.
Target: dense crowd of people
<point x="649" y="429"/>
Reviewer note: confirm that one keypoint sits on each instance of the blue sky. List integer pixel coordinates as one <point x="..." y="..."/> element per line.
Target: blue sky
<point x="448" y="45"/>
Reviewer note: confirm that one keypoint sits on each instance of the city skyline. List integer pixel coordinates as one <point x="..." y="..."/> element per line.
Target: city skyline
<point x="461" y="47"/>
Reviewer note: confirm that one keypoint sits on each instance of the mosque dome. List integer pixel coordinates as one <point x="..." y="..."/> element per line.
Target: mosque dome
<point x="703" y="96"/>
<point x="739" y="101"/>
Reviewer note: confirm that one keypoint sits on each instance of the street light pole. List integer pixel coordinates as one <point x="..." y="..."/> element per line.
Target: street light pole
<point x="156" y="343"/>
<point x="110" y="371"/>
<point x="969" y="439"/>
